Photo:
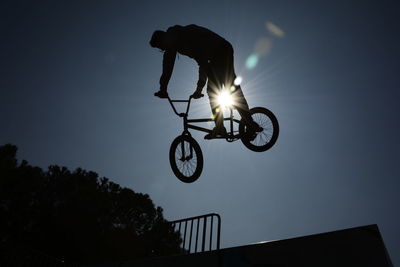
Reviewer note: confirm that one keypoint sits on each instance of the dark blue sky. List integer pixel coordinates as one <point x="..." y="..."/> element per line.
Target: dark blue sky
<point x="76" y="89"/>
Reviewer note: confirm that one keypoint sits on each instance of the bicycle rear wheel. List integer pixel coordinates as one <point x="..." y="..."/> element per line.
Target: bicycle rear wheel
<point x="186" y="158"/>
<point x="265" y="139"/>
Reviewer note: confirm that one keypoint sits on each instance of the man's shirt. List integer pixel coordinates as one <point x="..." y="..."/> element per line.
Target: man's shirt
<point x="193" y="41"/>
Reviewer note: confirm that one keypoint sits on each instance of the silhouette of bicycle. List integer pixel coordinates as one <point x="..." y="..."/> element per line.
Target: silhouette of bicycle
<point x="185" y="155"/>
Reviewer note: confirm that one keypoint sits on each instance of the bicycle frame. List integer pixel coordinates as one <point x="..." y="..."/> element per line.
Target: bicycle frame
<point x="231" y="134"/>
<point x="185" y="155"/>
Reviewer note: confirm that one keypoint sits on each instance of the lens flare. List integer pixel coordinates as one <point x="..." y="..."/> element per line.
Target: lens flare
<point x="263" y="46"/>
<point x="252" y="61"/>
<point x="225" y="99"/>
<point x="274" y="29"/>
<point x="238" y="80"/>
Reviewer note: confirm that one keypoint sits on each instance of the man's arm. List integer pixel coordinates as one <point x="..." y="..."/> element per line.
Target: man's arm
<point x="202" y="78"/>
<point x="168" y="66"/>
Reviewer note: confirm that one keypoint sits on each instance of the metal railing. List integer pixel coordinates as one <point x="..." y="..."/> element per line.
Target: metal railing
<point x="197" y="242"/>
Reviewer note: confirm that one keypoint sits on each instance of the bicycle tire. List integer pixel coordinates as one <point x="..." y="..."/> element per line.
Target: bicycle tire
<point x="188" y="167"/>
<point x="265" y="139"/>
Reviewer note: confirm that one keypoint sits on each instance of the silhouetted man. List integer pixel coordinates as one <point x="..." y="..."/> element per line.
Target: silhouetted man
<point x="214" y="55"/>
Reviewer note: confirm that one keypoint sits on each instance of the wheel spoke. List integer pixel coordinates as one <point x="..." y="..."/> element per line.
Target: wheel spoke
<point x="265" y="136"/>
<point x="187" y="166"/>
<point x="186" y="158"/>
<point x="264" y="139"/>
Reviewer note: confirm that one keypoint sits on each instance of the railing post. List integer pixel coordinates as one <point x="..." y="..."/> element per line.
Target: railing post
<point x="203" y="243"/>
<point x="184" y="238"/>
<point x="218" y="232"/>
<point x="197" y="233"/>
<point x="211" y="232"/>
<point x="203" y="237"/>
<point x="190" y="236"/>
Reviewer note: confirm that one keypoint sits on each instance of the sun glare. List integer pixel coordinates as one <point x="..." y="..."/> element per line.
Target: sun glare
<point x="225" y="99"/>
<point x="238" y="80"/>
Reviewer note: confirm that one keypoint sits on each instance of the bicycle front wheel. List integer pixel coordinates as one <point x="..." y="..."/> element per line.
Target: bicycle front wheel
<point x="265" y="139"/>
<point x="186" y="158"/>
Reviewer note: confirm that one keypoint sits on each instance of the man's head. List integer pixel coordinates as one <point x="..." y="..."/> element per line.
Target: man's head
<point x="158" y="40"/>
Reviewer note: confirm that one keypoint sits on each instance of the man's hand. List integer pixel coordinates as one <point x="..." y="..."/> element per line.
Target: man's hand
<point x="161" y="94"/>
<point x="197" y="95"/>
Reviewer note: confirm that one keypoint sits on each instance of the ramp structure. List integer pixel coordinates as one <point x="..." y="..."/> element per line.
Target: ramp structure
<point x="360" y="246"/>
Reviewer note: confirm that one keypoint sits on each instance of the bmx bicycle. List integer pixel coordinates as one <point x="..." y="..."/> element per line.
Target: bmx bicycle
<point x="185" y="155"/>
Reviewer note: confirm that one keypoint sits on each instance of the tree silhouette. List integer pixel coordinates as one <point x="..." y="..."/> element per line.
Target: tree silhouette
<point x="76" y="216"/>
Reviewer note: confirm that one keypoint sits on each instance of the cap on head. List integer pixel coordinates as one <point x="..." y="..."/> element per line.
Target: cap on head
<point x="157" y="39"/>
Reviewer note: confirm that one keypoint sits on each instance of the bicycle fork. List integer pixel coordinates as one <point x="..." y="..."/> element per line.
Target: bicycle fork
<point x="183" y="156"/>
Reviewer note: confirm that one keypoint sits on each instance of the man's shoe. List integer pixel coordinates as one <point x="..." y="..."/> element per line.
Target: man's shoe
<point x="252" y="131"/>
<point x="215" y="132"/>
<point x="161" y="94"/>
<point x="197" y="95"/>
<point x="251" y="135"/>
<point x="255" y="127"/>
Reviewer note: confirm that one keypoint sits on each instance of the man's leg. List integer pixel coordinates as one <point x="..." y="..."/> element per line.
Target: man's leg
<point x="218" y="117"/>
<point x="237" y="93"/>
<point x="213" y="89"/>
<point x="243" y="109"/>
<point x="241" y="103"/>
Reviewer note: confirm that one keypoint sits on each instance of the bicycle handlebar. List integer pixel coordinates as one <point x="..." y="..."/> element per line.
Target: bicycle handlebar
<point x="171" y="101"/>
<point x="184" y="101"/>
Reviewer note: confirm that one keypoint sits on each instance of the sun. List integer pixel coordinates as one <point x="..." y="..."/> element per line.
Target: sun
<point x="225" y="99"/>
